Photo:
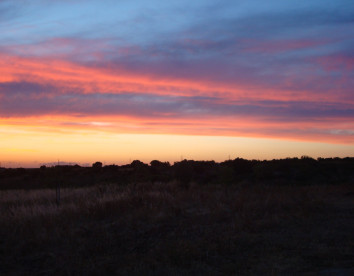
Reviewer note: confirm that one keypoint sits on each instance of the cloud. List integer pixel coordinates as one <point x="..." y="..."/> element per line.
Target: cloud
<point x="269" y="49"/>
<point x="257" y="70"/>
<point x="30" y="99"/>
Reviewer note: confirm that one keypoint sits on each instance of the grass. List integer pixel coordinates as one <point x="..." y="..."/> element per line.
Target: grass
<point x="175" y="229"/>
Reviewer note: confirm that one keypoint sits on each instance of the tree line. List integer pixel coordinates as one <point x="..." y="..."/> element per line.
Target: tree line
<point x="297" y="171"/>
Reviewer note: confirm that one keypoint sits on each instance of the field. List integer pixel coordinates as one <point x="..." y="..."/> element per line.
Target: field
<point x="174" y="228"/>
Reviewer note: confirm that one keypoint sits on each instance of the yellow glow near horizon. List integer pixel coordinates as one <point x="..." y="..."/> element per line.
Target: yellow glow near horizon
<point x="31" y="147"/>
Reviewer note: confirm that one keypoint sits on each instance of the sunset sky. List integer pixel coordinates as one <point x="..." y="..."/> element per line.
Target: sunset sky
<point x="113" y="81"/>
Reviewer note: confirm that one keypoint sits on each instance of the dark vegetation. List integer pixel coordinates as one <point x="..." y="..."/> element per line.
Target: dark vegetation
<point x="303" y="171"/>
<point x="238" y="217"/>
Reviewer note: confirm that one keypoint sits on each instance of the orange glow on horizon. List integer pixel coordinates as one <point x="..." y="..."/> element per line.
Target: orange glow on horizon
<point x="247" y="127"/>
<point x="29" y="147"/>
<point x="31" y="140"/>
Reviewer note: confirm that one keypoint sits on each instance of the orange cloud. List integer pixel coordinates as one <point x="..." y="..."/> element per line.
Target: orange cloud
<point x="68" y="76"/>
<point x="331" y="131"/>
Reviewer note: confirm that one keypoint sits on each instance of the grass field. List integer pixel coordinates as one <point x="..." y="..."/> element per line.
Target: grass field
<point x="175" y="229"/>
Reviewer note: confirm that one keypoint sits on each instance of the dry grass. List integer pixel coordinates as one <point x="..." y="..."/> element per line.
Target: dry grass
<point x="172" y="229"/>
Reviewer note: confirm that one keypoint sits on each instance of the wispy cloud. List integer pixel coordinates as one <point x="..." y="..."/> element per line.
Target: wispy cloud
<point x="228" y="68"/>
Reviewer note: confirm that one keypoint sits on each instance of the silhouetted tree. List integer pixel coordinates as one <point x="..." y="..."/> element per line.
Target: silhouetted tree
<point x="138" y="164"/>
<point x="97" y="165"/>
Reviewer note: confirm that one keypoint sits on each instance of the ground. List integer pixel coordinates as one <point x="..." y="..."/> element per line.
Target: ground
<point x="179" y="229"/>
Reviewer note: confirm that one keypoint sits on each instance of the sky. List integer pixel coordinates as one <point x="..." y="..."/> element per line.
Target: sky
<point x="114" y="81"/>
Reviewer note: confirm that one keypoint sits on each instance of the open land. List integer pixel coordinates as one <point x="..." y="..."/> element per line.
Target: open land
<point x="253" y="226"/>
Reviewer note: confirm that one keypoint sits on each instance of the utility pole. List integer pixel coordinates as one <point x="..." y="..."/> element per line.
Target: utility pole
<point x="58" y="186"/>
